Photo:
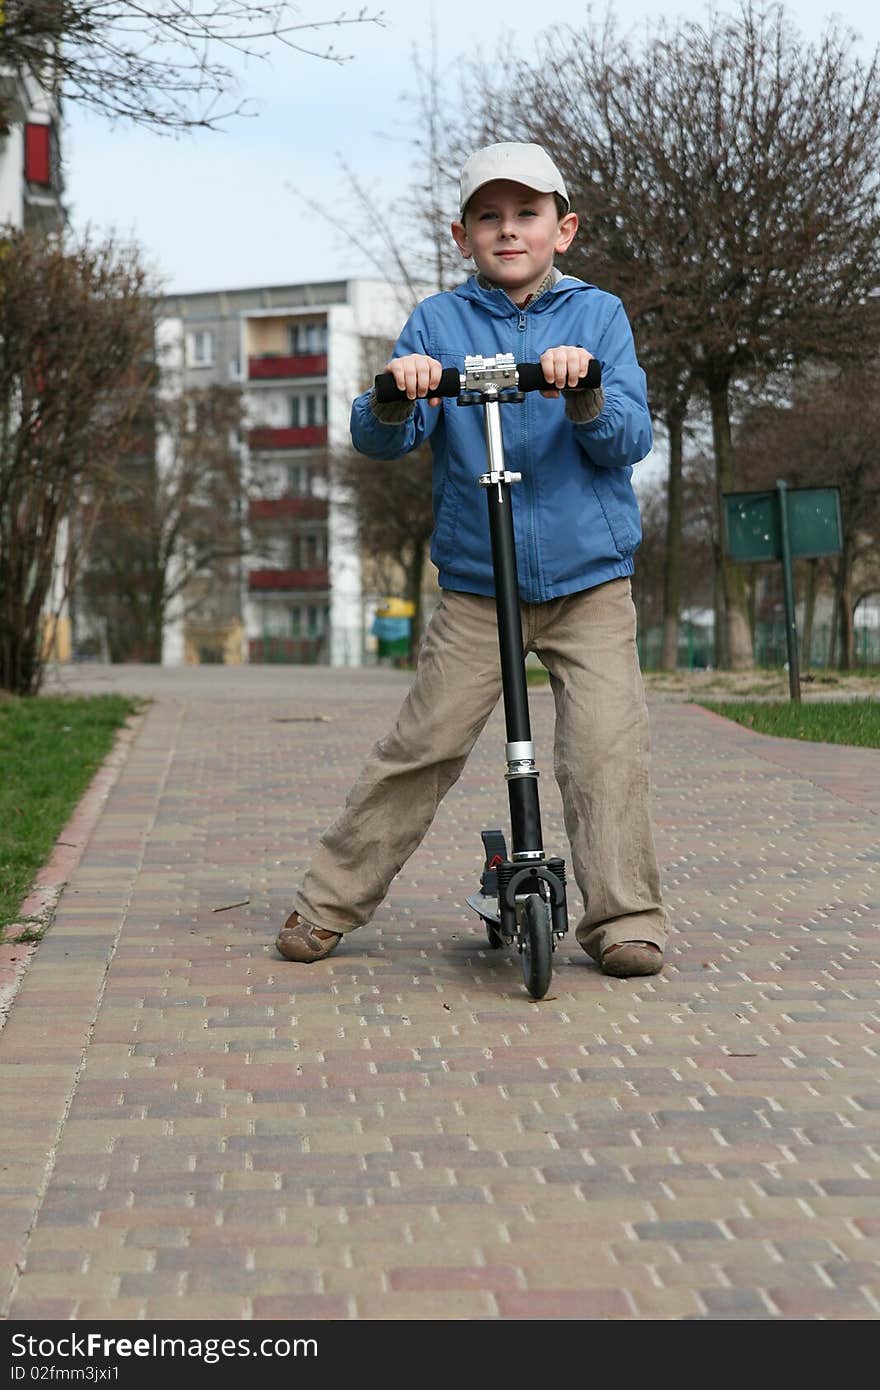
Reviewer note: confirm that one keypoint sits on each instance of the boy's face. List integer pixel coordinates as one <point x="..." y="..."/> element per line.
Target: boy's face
<point x="513" y="233"/>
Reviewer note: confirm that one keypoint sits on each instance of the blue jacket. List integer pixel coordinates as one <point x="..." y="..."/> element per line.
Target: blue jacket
<point x="576" y="517"/>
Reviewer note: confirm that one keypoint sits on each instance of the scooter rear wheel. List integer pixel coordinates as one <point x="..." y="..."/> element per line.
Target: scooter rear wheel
<point x="536" y="956"/>
<point x="493" y="935"/>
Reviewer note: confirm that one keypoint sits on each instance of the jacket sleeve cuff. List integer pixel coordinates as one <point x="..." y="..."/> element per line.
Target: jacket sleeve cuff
<point x="583" y="407"/>
<point x="392" y="412"/>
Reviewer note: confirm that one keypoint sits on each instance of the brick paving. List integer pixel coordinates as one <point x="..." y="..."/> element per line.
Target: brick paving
<point x="198" y="1129"/>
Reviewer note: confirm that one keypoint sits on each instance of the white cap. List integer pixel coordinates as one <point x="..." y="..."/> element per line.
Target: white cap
<point x="530" y="165"/>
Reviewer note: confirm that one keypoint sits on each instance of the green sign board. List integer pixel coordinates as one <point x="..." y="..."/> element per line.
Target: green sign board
<point x="788" y="524"/>
<point x="753" y="528"/>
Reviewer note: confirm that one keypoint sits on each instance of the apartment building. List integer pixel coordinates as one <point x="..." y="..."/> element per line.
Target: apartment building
<point x="31" y="188"/>
<point x="299" y="352"/>
<point x="30" y="155"/>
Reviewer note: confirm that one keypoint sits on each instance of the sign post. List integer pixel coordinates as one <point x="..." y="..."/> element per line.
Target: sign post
<point x="791" y="637"/>
<point x="788" y="524"/>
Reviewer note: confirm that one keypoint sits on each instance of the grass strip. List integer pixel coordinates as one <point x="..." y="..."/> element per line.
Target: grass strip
<point x="853" y="722"/>
<point x="50" y="748"/>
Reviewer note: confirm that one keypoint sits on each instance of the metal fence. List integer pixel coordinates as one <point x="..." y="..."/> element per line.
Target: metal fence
<point x="696" y="646"/>
<point x="771" y="649"/>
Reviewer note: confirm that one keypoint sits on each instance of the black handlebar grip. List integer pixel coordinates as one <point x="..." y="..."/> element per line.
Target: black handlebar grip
<point x="530" y="376"/>
<point x="387" y="390"/>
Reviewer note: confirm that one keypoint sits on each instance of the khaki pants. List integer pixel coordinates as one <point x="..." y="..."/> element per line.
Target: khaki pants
<point x="587" y="641"/>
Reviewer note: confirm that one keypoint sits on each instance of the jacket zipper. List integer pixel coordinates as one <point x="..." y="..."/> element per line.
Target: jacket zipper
<point x="532" y="566"/>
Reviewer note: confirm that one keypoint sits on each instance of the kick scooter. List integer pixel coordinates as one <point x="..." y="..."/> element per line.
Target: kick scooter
<point x="521" y="898"/>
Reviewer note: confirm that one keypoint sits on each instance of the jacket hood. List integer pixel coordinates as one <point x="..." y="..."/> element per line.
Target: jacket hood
<point x="500" y="305"/>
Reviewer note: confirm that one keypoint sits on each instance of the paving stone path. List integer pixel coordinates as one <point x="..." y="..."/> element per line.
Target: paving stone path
<point x="195" y="1128"/>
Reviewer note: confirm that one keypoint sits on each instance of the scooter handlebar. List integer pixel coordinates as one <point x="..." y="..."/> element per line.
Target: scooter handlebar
<point x="530" y="377"/>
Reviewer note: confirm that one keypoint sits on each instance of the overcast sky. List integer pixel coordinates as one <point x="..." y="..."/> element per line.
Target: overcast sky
<point x="219" y="210"/>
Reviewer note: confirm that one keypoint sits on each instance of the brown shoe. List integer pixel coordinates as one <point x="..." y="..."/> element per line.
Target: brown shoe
<point x="299" y="941"/>
<point x="631" y="958"/>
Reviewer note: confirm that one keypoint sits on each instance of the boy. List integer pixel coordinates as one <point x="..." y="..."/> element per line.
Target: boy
<point x="577" y="526"/>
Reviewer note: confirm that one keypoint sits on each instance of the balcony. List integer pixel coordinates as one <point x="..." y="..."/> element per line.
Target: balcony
<point x="275" y="367"/>
<point x="278" y="508"/>
<point x="294" y="437"/>
<point x="316" y="579"/>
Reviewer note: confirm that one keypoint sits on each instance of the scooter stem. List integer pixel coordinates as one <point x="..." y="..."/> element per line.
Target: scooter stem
<point x="516" y="709"/>
<point x="522" y="775"/>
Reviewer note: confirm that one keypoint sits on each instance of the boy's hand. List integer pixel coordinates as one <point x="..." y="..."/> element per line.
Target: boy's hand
<point x="416" y="375"/>
<point x="564" y="366"/>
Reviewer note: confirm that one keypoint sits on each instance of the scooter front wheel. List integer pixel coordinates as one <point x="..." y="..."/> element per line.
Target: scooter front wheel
<point x="536" y="956"/>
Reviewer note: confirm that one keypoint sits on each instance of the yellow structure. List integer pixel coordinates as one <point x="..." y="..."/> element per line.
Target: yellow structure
<point x="57" y="639"/>
<point x="395" y="608"/>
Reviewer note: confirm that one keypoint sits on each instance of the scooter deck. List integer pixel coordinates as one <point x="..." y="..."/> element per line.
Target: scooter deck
<point x="487" y="907"/>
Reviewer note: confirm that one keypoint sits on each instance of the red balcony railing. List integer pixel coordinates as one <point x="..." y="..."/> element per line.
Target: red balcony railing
<point x="307" y="508"/>
<point x="271" y="368"/>
<point x="300" y="437"/>
<point x="38" y="154"/>
<point x="289" y="579"/>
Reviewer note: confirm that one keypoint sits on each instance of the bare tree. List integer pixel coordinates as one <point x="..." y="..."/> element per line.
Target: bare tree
<point x="170" y="534"/>
<point x="726" y="179"/>
<point x="408" y="243"/>
<point x="671" y="388"/>
<point x="412" y="249"/>
<point x="695" y="520"/>
<point x="647" y="586"/>
<point x="168" y="65"/>
<point x="391" y="503"/>
<point x="76" y="323"/>
<point x="423" y="216"/>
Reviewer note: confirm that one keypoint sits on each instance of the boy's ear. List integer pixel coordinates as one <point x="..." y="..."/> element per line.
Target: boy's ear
<point x="460" y="237"/>
<point x="568" y="225"/>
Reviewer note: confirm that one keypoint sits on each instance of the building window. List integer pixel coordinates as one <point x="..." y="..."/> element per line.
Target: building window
<point x="299" y="480"/>
<point x="308" y="621"/>
<point x="307" y="339"/>
<point x="308" y="408"/>
<point x="273" y="622"/>
<point x="200" y="348"/>
<point x="307" y="550"/>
